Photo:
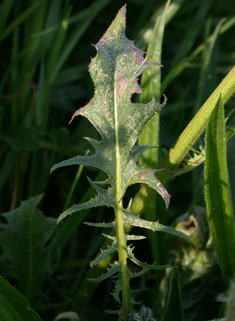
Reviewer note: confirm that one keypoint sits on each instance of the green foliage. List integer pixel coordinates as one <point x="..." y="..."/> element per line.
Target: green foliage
<point x="13" y="306"/>
<point x="26" y="244"/>
<point x="173" y="305"/>
<point x="217" y="192"/>
<point x="119" y="122"/>
<point x="114" y="72"/>
<point x="45" y="50"/>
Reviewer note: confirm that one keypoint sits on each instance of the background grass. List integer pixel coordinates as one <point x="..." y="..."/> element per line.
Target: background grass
<point x="45" y="52"/>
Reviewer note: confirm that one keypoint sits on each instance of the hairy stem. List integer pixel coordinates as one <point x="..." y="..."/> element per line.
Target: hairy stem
<point x="122" y="252"/>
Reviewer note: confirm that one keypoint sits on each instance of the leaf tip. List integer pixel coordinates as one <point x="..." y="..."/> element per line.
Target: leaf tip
<point x="74" y="115"/>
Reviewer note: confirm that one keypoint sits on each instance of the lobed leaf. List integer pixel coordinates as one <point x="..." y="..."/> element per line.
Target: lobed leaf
<point x="111" y="249"/>
<point x="24" y="245"/>
<point x="133" y="220"/>
<point x="144" y="265"/>
<point x="115" y="71"/>
<point x="119" y="121"/>
<point x="110" y="272"/>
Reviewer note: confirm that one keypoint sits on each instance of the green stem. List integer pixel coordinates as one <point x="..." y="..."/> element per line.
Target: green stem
<point x="126" y="296"/>
<point x="122" y="252"/>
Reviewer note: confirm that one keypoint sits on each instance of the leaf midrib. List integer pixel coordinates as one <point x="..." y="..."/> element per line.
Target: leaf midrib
<point x="117" y="145"/>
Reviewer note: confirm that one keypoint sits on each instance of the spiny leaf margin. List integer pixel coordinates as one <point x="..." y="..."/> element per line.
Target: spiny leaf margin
<point x="115" y="71"/>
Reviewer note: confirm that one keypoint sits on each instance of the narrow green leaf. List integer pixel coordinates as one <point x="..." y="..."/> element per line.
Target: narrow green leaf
<point x="145" y="33"/>
<point x="186" y="61"/>
<point x="103" y="225"/>
<point x="21" y="18"/>
<point x="55" y="49"/>
<point x="110" y="272"/>
<point x="208" y="72"/>
<point x="173" y="305"/>
<point x="77" y="34"/>
<point x="154" y="226"/>
<point x="150" y="82"/>
<point x="13" y="306"/>
<point x="174" y="72"/>
<point x="192" y="32"/>
<point x="217" y="192"/>
<point x="104" y="253"/>
<point x="7" y="167"/>
<point x="142" y="264"/>
<point x="75" y="182"/>
<point x="206" y="85"/>
<point x="4" y="12"/>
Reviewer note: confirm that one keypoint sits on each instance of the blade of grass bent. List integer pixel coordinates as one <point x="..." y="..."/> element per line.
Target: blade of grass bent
<point x="196" y="127"/>
<point x="217" y="192"/>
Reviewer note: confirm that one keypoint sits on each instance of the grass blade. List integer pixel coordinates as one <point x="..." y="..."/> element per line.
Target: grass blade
<point x="21" y="18"/>
<point x="171" y="76"/>
<point x="146" y="32"/>
<point x="206" y="85"/>
<point x="173" y="306"/>
<point x="192" y="33"/>
<point x="13" y="306"/>
<point x="4" y="13"/>
<point x="217" y="192"/>
<point x="77" y="34"/>
<point x="76" y="179"/>
<point x="151" y="81"/>
<point x="7" y="167"/>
